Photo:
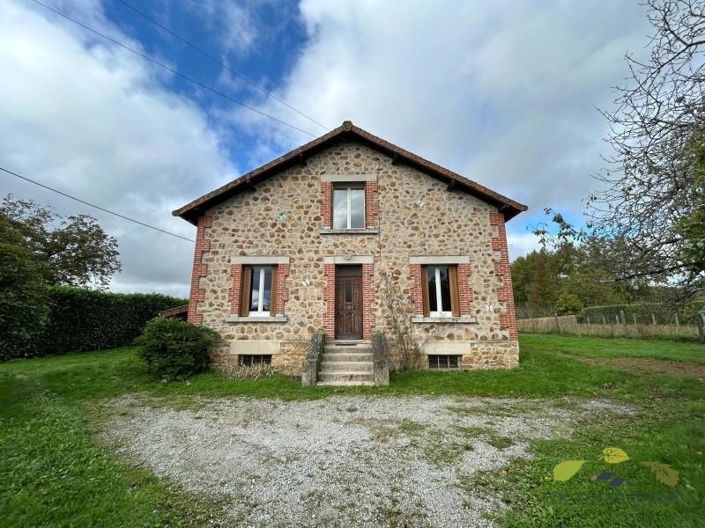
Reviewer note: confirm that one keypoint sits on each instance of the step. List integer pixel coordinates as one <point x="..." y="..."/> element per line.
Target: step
<point x="346" y="367"/>
<point x="346" y="357"/>
<point x="337" y="349"/>
<point x="336" y="378"/>
<point x="345" y="383"/>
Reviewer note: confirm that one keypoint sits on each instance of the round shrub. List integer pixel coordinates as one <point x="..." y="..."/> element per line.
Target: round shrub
<point x="174" y="349"/>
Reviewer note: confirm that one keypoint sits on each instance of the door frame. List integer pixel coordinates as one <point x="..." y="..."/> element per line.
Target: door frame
<point x="344" y="275"/>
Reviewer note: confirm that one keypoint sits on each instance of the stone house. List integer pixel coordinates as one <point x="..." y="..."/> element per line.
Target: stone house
<point x="316" y="240"/>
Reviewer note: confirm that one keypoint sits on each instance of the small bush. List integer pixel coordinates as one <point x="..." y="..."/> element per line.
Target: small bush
<point x="175" y="349"/>
<point x="254" y="372"/>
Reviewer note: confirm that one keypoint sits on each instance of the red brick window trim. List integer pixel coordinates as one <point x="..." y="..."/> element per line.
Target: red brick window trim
<point x="368" y="298"/>
<point x="371" y="204"/>
<point x="417" y="289"/>
<point x="326" y="204"/>
<point x="459" y="284"/>
<point x="329" y="296"/>
<point x="239" y="294"/>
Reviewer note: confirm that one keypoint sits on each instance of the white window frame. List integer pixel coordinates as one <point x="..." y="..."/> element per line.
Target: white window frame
<point x="260" y="292"/>
<point x="349" y="205"/>
<point x="439" y="296"/>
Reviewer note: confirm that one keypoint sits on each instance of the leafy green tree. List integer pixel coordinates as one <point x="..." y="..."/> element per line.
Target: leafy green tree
<point x="71" y="251"/>
<point x="23" y="300"/>
<point x="543" y="290"/>
<point x="568" y="303"/>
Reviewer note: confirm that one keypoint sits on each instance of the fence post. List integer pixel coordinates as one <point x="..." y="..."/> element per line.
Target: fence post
<point x="653" y="318"/>
<point x="558" y="328"/>
<point x="604" y="321"/>
<point x="634" y="319"/>
<point x="700" y="319"/>
<point x="624" y="321"/>
<point x="588" y="318"/>
<point x="677" y="321"/>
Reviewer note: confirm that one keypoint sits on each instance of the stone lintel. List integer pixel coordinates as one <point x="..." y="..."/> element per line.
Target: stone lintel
<point x="440" y="259"/>
<point x="258" y="259"/>
<point x="348" y="178"/>
<point x="355" y="259"/>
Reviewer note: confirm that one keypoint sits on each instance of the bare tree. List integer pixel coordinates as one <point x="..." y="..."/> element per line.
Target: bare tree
<point x="398" y="310"/>
<point x="654" y="186"/>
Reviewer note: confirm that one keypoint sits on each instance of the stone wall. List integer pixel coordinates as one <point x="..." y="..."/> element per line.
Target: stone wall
<point x="417" y="216"/>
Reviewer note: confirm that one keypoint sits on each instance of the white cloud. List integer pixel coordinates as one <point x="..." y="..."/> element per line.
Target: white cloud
<point x="521" y="243"/>
<point x="97" y="122"/>
<point x="503" y="92"/>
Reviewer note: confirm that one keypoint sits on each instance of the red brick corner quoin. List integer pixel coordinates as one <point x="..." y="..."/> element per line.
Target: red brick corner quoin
<point x="200" y="270"/>
<point x="507" y="320"/>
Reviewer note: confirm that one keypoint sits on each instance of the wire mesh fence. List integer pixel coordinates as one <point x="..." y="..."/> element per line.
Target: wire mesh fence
<point x="618" y="325"/>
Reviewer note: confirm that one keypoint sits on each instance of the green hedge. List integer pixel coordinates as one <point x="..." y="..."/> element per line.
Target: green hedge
<point x="81" y="319"/>
<point x="664" y="313"/>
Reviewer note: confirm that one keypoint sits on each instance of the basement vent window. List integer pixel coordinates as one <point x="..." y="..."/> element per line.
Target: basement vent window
<point x="444" y="362"/>
<point x="255" y="359"/>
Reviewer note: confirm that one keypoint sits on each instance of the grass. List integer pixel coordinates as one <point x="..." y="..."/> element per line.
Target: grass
<point x="681" y="351"/>
<point x="55" y="473"/>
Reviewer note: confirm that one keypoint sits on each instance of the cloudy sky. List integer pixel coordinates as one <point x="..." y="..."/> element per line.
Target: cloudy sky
<point x="504" y="92"/>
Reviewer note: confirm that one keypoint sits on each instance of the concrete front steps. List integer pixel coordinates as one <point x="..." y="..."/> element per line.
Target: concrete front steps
<point x="345" y="364"/>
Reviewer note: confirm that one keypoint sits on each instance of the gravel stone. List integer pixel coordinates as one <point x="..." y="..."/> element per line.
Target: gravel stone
<point x="342" y="460"/>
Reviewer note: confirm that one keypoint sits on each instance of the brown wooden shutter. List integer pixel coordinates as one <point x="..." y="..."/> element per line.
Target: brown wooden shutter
<point x="273" y="300"/>
<point x="246" y="294"/>
<point x="424" y="291"/>
<point x="454" y="296"/>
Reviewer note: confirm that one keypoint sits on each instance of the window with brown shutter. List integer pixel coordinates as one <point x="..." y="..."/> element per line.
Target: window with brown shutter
<point x="258" y="296"/>
<point x="246" y="291"/>
<point x="440" y="291"/>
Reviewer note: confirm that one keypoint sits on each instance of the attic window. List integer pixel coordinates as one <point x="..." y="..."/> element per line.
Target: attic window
<point x="444" y="362"/>
<point x="349" y="206"/>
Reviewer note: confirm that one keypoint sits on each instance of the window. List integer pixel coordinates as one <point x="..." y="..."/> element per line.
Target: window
<point x="255" y="359"/>
<point x="258" y="291"/>
<point x="443" y="362"/>
<point x="440" y="291"/>
<point x="349" y="207"/>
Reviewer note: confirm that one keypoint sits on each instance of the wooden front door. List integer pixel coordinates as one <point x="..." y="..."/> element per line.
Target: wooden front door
<point x="348" y="302"/>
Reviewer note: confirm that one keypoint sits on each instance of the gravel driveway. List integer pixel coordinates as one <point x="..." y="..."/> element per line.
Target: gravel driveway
<point x="340" y="461"/>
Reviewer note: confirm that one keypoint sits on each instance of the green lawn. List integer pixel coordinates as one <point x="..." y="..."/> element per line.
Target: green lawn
<point x="54" y="473"/>
<point x="682" y="351"/>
